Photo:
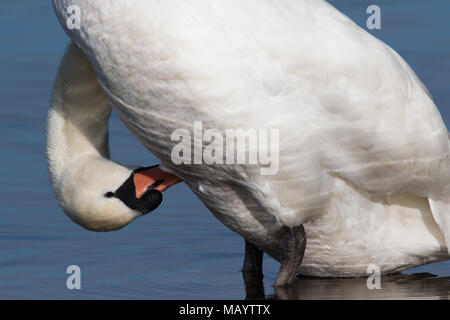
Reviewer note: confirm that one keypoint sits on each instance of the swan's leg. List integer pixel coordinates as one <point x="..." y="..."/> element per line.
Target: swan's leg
<point x="292" y="244"/>
<point x="253" y="259"/>
<point x="252" y="272"/>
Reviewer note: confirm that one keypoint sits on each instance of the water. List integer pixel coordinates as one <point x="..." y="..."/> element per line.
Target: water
<point x="180" y="251"/>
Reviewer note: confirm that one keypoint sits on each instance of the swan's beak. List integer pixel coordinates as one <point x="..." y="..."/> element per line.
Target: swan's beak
<point x="153" y="178"/>
<point x="143" y="189"/>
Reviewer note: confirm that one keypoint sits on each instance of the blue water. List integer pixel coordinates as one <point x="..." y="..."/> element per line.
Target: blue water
<point x="180" y="251"/>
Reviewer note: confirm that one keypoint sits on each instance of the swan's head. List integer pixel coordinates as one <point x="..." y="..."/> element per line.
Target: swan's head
<point x="116" y="199"/>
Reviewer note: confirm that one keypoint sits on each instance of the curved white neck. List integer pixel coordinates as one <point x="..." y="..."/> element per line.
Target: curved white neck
<point x="79" y="113"/>
<point x="77" y="147"/>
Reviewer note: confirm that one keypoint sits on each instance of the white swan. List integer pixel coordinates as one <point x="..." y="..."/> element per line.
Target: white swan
<point x="364" y="152"/>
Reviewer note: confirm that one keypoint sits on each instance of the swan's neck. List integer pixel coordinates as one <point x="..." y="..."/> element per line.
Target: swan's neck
<point x="78" y="121"/>
<point x="77" y="148"/>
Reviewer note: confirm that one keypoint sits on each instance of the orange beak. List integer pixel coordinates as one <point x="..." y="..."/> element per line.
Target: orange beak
<point x="155" y="179"/>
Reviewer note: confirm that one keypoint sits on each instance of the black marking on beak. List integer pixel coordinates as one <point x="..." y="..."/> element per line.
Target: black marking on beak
<point x="127" y="194"/>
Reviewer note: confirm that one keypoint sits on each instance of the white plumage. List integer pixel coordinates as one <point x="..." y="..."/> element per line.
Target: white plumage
<point x="364" y="152"/>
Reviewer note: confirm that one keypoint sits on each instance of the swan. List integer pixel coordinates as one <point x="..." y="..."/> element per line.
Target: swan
<point x="364" y="173"/>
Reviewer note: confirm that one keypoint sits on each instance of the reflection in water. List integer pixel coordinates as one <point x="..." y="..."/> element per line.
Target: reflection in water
<point x="254" y="286"/>
<point x="398" y="286"/>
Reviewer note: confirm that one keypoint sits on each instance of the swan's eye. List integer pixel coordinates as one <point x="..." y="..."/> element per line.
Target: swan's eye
<point x="109" y="195"/>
